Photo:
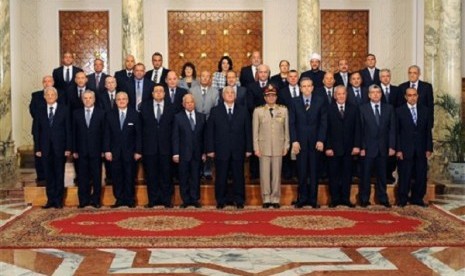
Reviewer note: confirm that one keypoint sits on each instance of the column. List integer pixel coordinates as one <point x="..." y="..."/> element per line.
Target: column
<point x="133" y="29"/>
<point x="308" y="31"/>
<point x="443" y="70"/>
<point x="8" y="164"/>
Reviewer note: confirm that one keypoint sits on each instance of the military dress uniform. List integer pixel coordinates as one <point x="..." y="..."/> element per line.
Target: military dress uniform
<point x="271" y="139"/>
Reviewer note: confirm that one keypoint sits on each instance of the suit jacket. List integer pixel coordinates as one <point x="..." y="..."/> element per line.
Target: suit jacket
<point x="221" y="131"/>
<point x="179" y="93"/>
<point x="280" y="83"/>
<point x="308" y="126"/>
<point x="157" y="135"/>
<point x="59" y="80"/>
<point x="38" y="101"/>
<point x="285" y="96"/>
<point x="147" y="90"/>
<point x="92" y="84"/>
<point x="394" y="96"/>
<point x="315" y="76"/>
<point x="88" y="141"/>
<point x="241" y="96"/>
<point x="164" y="73"/>
<point x="189" y="144"/>
<point x="255" y="97"/>
<point x="182" y="83"/>
<point x="322" y="92"/>
<point x="121" y="77"/>
<point x="377" y="140"/>
<point x="56" y="138"/>
<point x="366" y="77"/>
<point x="413" y="138"/>
<point x="104" y="101"/>
<point x="340" y="81"/>
<point x="270" y="134"/>
<point x="246" y="77"/>
<point x="123" y="143"/>
<point x="211" y="99"/>
<point x="425" y="96"/>
<point x="72" y="96"/>
<point x="357" y="101"/>
<point x="343" y="132"/>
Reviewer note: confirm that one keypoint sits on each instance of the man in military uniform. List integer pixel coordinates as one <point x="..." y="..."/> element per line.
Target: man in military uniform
<point x="270" y="143"/>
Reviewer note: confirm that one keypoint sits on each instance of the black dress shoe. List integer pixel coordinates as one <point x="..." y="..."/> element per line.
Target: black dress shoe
<point x="131" y="205"/>
<point x="48" y="206"/>
<point x="402" y="204"/>
<point x="220" y="206"/>
<point x="386" y="204"/>
<point x="332" y="205"/>
<point x="349" y="204"/>
<point x="168" y="205"/>
<point x="276" y="205"/>
<point x="299" y="205"/>
<point x="240" y="206"/>
<point x="80" y="206"/>
<point x="183" y="206"/>
<point x="197" y="205"/>
<point x="266" y="205"/>
<point x="96" y="205"/>
<point x="149" y="205"/>
<point x="116" y="205"/>
<point x="315" y="205"/>
<point x="59" y="206"/>
<point x="364" y="204"/>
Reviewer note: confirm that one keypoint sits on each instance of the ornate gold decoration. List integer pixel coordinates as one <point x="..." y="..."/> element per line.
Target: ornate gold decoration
<point x="225" y="32"/>
<point x="159" y="223"/>
<point x="354" y="31"/>
<point x="203" y="55"/>
<point x="203" y="32"/>
<point x="313" y="222"/>
<point x="181" y="31"/>
<point x="181" y="54"/>
<point x="331" y="31"/>
<point x="73" y="32"/>
<point x="96" y="31"/>
<point x="249" y="31"/>
<point x="249" y="54"/>
<point x="226" y="54"/>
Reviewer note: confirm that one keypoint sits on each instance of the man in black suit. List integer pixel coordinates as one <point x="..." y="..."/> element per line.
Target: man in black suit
<point x="123" y="147"/>
<point x="356" y="93"/>
<point x="342" y="142"/>
<point x="370" y="74"/>
<point x="74" y="92"/>
<point x="229" y="122"/>
<point x="52" y="142"/>
<point x="124" y="75"/>
<point x="307" y="127"/>
<point x="188" y="150"/>
<point x="343" y="76"/>
<point x="38" y="102"/>
<point x="139" y="89"/>
<point x="240" y="91"/>
<point x="378" y="140"/>
<point x="249" y="73"/>
<point x="157" y="118"/>
<point x="280" y="79"/>
<point x="414" y="147"/>
<point x="158" y="73"/>
<point x="64" y="75"/>
<point x="424" y="89"/>
<point x="88" y="129"/>
<point x="391" y="94"/>
<point x="174" y="93"/>
<point x="327" y="90"/>
<point x="96" y="80"/>
<point x="315" y="74"/>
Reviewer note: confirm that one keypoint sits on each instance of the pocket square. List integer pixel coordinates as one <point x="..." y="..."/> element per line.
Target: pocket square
<point x="130" y="124"/>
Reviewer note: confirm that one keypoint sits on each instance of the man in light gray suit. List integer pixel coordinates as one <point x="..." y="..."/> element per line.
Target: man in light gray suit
<point x="206" y="97"/>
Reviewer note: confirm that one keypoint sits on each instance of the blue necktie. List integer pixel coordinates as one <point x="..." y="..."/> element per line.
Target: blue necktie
<point x="121" y="120"/>
<point x="191" y="120"/>
<point x="377" y="114"/>
<point x="414" y="115"/>
<point x="50" y="116"/>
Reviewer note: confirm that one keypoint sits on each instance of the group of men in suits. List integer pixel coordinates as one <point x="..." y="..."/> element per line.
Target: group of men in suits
<point x="319" y="118"/>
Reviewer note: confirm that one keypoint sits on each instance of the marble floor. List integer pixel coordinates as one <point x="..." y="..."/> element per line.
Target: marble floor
<point x="234" y="261"/>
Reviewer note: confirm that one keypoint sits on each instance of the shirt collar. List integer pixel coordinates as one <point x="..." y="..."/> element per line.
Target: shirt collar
<point x="411" y="106"/>
<point x="228" y="107"/>
<point x="91" y="108"/>
<point x="53" y="105"/>
<point x="125" y="110"/>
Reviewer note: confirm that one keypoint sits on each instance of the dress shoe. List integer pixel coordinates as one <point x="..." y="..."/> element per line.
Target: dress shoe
<point x="96" y="205"/>
<point x="315" y="205"/>
<point x="364" y="204"/>
<point x="349" y="204"/>
<point x="386" y="204"/>
<point x="266" y="205"/>
<point x="299" y="205"/>
<point x="116" y="205"/>
<point x="48" y="206"/>
<point x="220" y="206"/>
<point x="276" y="205"/>
<point x="183" y="206"/>
<point x="59" y="206"/>
<point x="168" y="205"/>
<point x="332" y="205"/>
<point x="149" y="205"/>
<point x="240" y="206"/>
<point x="402" y="204"/>
<point x="197" y="205"/>
<point x="131" y="205"/>
<point x="80" y="206"/>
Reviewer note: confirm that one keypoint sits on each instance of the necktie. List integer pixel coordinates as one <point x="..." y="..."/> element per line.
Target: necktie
<point x="112" y="100"/>
<point x="172" y="95"/>
<point x="87" y="117"/>
<point x="204" y="92"/>
<point x="294" y="93"/>
<point x="377" y="114"/>
<point x="357" y="95"/>
<point x="129" y="74"/>
<point x="68" y="75"/>
<point x="341" y="111"/>
<point x="158" y="112"/>
<point x="344" y="77"/>
<point x="307" y="104"/>
<point x="414" y="115"/>
<point x="262" y="84"/>
<point x="121" y="120"/>
<point x="79" y="93"/>
<point x="138" y="95"/>
<point x="155" y="76"/>
<point x="271" y="112"/>
<point x="97" y="80"/>
<point x="386" y="94"/>
<point x="191" y="120"/>
<point x="413" y="85"/>
<point x="230" y="114"/>
<point x="329" y="95"/>
<point x="50" y="116"/>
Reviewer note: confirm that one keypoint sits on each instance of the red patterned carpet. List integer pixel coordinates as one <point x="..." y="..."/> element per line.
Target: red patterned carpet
<point x="252" y="227"/>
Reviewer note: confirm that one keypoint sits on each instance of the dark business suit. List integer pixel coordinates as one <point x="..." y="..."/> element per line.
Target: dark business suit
<point x="59" y="79"/>
<point x="156" y="151"/>
<point x="176" y="101"/>
<point x="164" y="73"/>
<point x="425" y="96"/>
<point x="339" y="80"/>
<point x="123" y="144"/>
<point x="323" y="92"/>
<point x="87" y="143"/>
<point x="52" y="140"/>
<point x="122" y="76"/>
<point x="147" y="89"/>
<point x="363" y="95"/>
<point x="106" y="104"/>
<point x="92" y="83"/>
<point x="366" y="77"/>
<point x="74" y="101"/>
<point x="247" y="77"/>
<point x="343" y="135"/>
<point x="308" y="127"/>
<point x="376" y="140"/>
<point x="189" y="145"/>
<point x="279" y="81"/>
<point x="316" y="76"/>
<point x="413" y="140"/>
<point x="229" y="157"/>
<point x="241" y="96"/>
<point x="285" y="95"/>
